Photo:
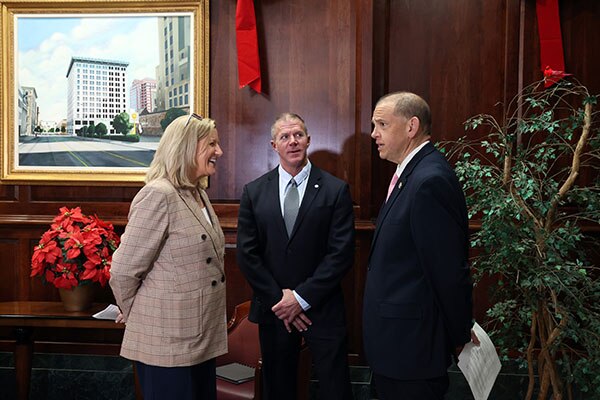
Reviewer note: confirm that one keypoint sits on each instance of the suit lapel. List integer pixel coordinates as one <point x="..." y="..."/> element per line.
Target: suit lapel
<point x="272" y="197"/>
<point x="312" y="188"/>
<point x="213" y="230"/>
<point x="402" y="182"/>
<point x="191" y="203"/>
<point x="386" y="207"/>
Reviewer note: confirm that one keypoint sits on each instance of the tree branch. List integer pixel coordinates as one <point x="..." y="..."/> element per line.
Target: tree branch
<point x="587" y="121"/>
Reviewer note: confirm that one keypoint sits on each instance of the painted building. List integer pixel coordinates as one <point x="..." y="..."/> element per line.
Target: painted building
<point x="22" y="107"/>
<point x="96" y="92"/>
<point x="173" y="71"/>
<point x="143" y="94"/>
<point x="32" y="113"/>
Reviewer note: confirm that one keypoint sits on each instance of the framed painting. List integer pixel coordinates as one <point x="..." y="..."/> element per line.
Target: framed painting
<point x="88" y="88"/>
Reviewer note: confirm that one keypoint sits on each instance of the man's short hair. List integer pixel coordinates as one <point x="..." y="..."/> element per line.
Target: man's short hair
<point x="408" y="105"/>
<point x="287" y="117"/>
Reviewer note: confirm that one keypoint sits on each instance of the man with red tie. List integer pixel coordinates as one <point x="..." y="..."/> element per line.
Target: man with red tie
<point x="417" y="302"/>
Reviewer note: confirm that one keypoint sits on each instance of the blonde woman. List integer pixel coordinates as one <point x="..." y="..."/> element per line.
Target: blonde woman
<point x="168" y="274"/>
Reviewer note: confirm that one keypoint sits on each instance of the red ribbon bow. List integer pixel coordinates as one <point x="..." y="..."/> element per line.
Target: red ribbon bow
<point x="247" y="45"/>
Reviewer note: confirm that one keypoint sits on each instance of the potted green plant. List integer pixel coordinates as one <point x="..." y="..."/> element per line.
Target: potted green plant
<point x="532" y="181"/>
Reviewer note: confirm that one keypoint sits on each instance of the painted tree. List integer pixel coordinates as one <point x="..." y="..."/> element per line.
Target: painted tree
<point x="121" y="123"/>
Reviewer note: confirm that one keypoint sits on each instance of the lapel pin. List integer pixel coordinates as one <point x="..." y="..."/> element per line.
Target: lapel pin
<point x="400" y="185"/>
<point x="316" y="186"/>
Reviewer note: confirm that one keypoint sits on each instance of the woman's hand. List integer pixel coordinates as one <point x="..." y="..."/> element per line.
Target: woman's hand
<point x="120" y="318"/>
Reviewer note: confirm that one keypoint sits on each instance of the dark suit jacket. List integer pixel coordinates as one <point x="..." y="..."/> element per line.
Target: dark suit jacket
<point x="312" y="261"/>
<point x="417" y="303"/>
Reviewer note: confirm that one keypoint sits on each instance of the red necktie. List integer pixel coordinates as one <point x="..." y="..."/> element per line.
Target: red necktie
<point x="392" y="184"/>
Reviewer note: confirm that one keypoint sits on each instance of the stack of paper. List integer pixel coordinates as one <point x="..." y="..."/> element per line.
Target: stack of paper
<point x="480" y="364"/>
<point x="111" y="312"/>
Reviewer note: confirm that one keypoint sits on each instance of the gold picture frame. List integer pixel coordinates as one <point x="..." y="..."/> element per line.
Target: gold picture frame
<point x="30" y="156"/>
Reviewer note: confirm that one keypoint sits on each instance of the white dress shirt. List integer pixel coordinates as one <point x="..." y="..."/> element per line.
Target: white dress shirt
<point x="409" y="157"/>
<point x="284" y="184"/>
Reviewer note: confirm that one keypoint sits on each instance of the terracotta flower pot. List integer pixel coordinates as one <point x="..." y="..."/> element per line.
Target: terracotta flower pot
<point x="79" y="298"/>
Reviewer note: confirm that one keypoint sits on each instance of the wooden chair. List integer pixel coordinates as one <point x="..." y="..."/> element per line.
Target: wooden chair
<point x="244" y="348"/>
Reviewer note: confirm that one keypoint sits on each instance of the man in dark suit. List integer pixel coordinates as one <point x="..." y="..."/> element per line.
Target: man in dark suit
<point x="417" y="302"/>
<point x="295" y="243"/>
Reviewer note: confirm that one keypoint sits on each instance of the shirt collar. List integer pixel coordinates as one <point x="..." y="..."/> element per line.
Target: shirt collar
<point x="284" y="176"/>
<point x="409" y="157"/>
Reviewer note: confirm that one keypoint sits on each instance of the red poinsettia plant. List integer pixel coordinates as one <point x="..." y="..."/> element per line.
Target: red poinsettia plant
<point x="77" y="249"/>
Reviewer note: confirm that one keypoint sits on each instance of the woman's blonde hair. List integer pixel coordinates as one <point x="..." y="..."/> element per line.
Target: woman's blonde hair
<point x="175" y="157"/>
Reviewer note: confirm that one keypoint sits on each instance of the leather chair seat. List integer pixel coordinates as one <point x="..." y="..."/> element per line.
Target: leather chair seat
<point x="231" y="391"/>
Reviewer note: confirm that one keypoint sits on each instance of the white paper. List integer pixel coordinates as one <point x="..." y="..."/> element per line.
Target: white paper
<point x="111" y="312"/>
<point x="480" y="364"/>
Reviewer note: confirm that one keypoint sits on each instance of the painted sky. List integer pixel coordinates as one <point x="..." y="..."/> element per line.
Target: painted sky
<point x="45" y="47"/>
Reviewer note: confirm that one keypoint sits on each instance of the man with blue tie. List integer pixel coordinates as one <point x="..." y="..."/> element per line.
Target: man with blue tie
<point x="417" y="302"/>
<point x="295" y="243"/>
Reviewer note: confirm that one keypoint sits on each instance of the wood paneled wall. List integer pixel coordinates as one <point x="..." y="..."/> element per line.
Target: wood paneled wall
<point x="308" y="59"/>
<point x="329" y="61"/>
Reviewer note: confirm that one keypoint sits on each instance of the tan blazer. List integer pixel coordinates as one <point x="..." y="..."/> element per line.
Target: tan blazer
<point x="168" y="279"/>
